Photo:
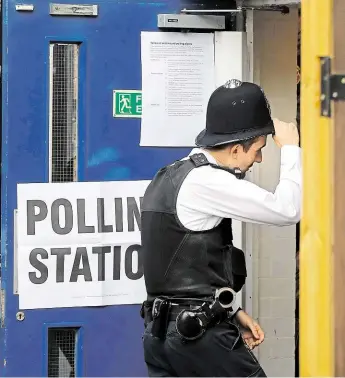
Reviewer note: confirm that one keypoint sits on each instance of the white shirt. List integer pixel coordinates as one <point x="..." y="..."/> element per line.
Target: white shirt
<point x="208" y="195"/>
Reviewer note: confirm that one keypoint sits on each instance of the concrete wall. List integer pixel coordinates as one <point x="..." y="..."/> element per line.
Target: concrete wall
<point x="272" y="46"/>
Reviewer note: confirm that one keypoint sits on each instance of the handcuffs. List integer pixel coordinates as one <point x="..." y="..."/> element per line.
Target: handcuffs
<point x="191" y="324"/>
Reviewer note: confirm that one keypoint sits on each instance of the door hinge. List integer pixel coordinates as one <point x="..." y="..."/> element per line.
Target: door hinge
<point x="332" y="86"/>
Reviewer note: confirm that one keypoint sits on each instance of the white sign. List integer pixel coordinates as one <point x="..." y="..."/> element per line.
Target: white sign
<point x="79" y="244"/>
<point x="178" y="77"/>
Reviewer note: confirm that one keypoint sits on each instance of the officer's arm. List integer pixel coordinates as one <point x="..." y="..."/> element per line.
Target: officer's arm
<point x="217" y="192"/>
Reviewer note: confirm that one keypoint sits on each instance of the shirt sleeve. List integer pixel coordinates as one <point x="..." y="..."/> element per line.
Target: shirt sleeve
<point x="219" y="193"/>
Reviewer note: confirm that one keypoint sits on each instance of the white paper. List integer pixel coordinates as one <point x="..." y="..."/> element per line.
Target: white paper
<point x="48" y="280"/>
<point x="178" y="78"/>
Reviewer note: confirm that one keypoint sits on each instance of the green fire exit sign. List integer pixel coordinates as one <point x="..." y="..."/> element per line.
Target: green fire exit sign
<point x="127" y="103"/>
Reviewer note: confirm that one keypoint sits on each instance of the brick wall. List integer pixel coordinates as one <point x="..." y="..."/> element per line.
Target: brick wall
<point x="272" y="44"/>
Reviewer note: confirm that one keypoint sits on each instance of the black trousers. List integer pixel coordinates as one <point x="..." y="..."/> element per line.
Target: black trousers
<point x="221" y="352"/>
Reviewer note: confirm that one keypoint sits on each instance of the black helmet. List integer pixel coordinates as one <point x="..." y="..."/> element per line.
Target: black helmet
<point x="236" y="111"/>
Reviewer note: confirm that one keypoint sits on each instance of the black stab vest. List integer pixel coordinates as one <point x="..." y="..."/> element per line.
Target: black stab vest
<point x="179" y="262"/>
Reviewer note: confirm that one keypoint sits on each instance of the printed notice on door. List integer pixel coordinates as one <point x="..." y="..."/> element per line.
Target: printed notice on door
<point x="79" y="244"/>
<point x="178" y="78"/>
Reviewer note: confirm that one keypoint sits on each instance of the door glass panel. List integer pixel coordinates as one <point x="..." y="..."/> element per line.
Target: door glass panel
<point x="63" y="112"/>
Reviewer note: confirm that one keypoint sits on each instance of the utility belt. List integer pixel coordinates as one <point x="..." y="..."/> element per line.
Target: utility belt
<point x="192" y="319"/>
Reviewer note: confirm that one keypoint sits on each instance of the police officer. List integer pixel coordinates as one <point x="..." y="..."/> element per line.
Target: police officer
<point x="192" y="270"/>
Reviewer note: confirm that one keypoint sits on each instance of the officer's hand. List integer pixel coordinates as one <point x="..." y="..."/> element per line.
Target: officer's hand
<point x="253" y="335"/>
<point x="285" y="133"/>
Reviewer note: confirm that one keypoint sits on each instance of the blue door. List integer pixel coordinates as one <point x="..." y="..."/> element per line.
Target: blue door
<point x="59" y="73"/>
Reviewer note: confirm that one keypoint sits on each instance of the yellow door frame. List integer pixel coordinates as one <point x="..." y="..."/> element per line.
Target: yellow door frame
<point x="316" y="278"/>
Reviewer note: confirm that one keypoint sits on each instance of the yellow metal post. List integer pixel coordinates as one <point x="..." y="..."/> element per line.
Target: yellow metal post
<point x="338" y="192"/>
<point x="316" y="283"/>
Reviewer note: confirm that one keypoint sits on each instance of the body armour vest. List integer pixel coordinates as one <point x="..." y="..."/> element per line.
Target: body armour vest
<point x="179" y="262"/>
